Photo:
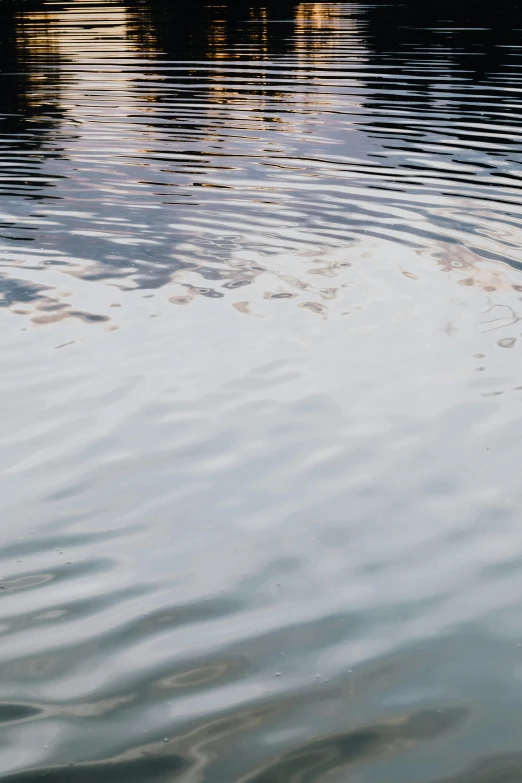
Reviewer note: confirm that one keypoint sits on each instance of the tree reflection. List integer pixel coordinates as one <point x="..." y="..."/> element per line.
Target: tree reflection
<point x="29" y="101"/>
<point x="232" y="29"/>
<point x="203" y="117"/>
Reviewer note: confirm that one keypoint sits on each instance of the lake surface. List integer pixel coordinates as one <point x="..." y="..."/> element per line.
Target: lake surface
<point x="261" y="288"/>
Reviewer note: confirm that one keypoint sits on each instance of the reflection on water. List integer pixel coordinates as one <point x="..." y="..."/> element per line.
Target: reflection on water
<point x="261" y="281"/>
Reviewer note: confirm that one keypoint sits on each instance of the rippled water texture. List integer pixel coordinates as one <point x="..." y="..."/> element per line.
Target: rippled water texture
<point x="261" y="282"/>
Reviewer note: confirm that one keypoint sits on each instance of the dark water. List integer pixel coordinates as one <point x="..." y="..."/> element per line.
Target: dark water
<point x="261" y="283"/>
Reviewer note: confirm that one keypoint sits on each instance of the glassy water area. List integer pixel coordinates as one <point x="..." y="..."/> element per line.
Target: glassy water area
<point x="261" y="392"/>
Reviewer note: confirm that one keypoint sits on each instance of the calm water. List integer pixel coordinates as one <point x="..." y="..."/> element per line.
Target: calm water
<point x="261" y="288"/>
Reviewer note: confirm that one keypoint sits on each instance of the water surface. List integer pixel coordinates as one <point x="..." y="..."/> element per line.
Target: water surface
<point x="261" y="280"/>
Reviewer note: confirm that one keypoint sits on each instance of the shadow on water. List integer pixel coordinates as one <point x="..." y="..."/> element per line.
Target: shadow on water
<point x="323" y="757"/>
<point x="316" y="761"/>
<point x="462" y="61"/>
<point x="476" y="42"/>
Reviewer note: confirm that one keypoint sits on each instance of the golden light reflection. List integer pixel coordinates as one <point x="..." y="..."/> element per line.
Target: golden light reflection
<point x="318" y="29"/>
<point x="318" y="14"/>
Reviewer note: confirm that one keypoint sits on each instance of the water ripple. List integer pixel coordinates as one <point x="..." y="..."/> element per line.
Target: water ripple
<point x="260" y="291"/>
